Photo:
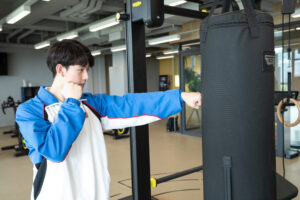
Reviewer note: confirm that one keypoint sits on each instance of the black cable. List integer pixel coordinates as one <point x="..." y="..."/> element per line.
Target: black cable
<point x="289" y="40"/>
<point x="282" y="57"/>
<point x="282" y="89"/>
<point x="283" y="150"/>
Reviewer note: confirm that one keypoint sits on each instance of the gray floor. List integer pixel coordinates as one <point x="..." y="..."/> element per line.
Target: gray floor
<point x="169" y="153"/>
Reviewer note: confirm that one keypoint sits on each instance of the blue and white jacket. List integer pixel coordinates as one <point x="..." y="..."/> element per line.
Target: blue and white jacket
<point x="66" y="142"/>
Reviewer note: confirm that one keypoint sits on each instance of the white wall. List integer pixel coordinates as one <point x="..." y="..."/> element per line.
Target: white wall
<point x="118" y="79"/>
<point x="23" y="63"/>
<point x="97" y="80"/>
<point x="118" y="84"/>
<point x="152" y="74"/>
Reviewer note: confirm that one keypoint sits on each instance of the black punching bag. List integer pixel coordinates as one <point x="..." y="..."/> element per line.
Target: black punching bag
<point x="237" y="59"/>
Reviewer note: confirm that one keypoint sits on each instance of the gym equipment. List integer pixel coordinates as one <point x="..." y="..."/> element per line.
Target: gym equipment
<point x="239" y="147"/>
<point x="118" y="133"/>
<point x="29" y="92"/>
<point x="21" y="146"/>
<point x="282" y="134"/>
<point x="238" y="59"/>
<point x="138" y="13"/>
<point x="172" y="124"/>
<point x="288" y="7"/>
<point x="279" y="113"/>
<point x="8" y="104"/>
<point x="282" y="100"/>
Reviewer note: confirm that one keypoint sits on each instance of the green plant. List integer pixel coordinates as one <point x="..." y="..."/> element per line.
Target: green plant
<point x="192" y="79"/>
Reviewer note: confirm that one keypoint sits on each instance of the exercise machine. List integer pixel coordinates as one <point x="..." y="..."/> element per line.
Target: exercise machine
<point x="139" y="14"/>
<point x="118" y="133"/>
<point x="9" y="103"/>
<point x="20" y="147"/>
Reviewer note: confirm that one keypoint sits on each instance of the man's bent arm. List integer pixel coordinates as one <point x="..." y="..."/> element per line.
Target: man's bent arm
<point x="51" y="140"/>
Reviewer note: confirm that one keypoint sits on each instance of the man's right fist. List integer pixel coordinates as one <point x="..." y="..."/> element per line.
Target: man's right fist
<point x="71" y="90"/>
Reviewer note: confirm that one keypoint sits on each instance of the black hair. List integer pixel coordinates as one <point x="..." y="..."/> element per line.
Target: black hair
<point x="68" y="52"/>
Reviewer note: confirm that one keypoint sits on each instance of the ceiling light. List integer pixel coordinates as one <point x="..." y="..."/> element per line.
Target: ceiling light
<point x="118" y="48"/>
<point x="174" y="2"/>
<point x="169" y="38"/>
<point x="45" y="0"/>
<point x="172" y="51"/>
<point x="191" y="44"/>
<point x="42" y="45"/>
<point x="111" y="21"/>
<point x="280" y="31"/>
<point x="148" y="55"/>
<point x="296" y="13"/>
<point x="95" y="52"/>
<point x="0" y="27"/>
<point x="164" y="57"/>
<point x="69" y="35"/>
<point x="298" y="28"/>
<point x="18" y="14"/>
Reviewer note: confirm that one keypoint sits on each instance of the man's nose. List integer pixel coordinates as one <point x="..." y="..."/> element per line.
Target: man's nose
<point x="85" y="75"/>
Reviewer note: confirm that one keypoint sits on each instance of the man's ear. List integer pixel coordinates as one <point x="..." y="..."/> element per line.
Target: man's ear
<point x="60" y="70"/>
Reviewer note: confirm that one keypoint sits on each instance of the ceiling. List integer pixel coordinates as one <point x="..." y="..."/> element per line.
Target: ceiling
<point x="48" y="19"/>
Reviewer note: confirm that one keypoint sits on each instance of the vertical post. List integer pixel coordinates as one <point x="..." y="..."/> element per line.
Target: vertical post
<point x="289" y="84"/>
<point x="139" y="136"/>
<point x="181" y="78"/>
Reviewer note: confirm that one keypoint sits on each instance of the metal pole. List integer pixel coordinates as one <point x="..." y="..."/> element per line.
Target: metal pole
<point x="139" y="138"/>
<point x="181" y="78"/>
<point x="178" y="174"/>
<point x="184" y="12"/>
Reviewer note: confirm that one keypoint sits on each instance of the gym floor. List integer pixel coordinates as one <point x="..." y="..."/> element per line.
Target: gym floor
<point x="169" y="153"/>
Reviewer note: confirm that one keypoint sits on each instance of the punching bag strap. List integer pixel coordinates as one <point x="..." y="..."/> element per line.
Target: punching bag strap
<point x="250" y="13"/>
<point x="205" y="28"/>
<point x="217" y="2"/>
<point x="251" y="17"/>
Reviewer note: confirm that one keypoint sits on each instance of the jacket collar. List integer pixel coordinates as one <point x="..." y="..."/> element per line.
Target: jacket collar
<point x="46" y="97"/>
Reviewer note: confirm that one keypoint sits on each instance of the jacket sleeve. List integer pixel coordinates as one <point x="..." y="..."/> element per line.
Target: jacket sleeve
<point x="135" y="109"/>
<point x="51" y="140"/>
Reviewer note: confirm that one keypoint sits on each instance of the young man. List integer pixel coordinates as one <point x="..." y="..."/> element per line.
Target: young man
<point x="62" y="126"/>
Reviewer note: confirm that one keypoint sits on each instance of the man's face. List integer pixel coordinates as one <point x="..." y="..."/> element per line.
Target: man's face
<point x="77" y="74"/>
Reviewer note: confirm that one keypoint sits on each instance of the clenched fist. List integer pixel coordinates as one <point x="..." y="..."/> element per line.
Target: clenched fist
<point x="192" y="99"/>
<point x="71" y="90"/>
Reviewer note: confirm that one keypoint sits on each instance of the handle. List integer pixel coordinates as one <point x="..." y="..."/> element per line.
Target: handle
<point x="280" y="116"/>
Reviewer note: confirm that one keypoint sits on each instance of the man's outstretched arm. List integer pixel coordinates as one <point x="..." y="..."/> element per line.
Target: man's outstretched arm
<point x="135" y="109"/>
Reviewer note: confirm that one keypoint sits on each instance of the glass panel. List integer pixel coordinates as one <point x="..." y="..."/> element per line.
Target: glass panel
<point x="297" y="54"/>
<point x="192" y="80"/>
<point x="281" y="79"/>
<point x="297" y="68"/>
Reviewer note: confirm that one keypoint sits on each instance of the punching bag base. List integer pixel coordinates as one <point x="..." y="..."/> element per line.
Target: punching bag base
<point x="285" y="189"/>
